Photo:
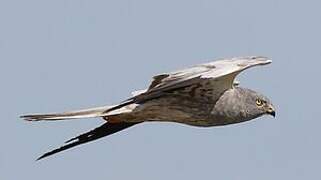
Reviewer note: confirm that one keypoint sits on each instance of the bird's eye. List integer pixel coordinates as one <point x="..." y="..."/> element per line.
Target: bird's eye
<point x="259" y="102"/>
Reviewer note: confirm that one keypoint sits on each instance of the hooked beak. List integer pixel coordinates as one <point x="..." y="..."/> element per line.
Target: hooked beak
<point x="271" y="111"/>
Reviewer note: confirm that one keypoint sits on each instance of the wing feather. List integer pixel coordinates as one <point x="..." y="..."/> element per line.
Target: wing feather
<point x="213" y="78"/>
<point x="218" y="75"/>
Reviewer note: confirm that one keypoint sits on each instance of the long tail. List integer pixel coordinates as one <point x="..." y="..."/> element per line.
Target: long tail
<point x="104" y="130"/>
<point x="86" y="113"/>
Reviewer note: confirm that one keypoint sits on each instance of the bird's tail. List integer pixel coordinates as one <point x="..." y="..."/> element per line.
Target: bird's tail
<point x="104" y="130"/>
<point x="85" y="113"/>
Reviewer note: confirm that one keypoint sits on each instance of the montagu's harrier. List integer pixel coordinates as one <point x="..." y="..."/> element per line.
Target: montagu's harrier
<point x="204" y="95"/>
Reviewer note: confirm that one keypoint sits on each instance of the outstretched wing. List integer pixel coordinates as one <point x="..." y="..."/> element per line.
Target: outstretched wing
<point x="206" y="72"/>
<point x="217" y="76"/>
<point x="202" y="82"/>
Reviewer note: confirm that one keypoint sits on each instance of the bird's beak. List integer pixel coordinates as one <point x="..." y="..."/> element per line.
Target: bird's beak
<point x="271" y="111"/>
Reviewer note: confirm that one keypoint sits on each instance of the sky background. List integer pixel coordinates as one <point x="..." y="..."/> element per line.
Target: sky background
<point x="67" y="54"/>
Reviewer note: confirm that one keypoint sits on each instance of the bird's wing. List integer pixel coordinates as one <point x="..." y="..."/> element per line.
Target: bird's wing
<point x="201" y="82"/>
<point x="217" y="76"/>
<point x="102" y="131"/>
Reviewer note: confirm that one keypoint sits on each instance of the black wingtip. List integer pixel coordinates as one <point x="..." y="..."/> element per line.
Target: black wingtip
<point x="104" y="130"/>
<point x="53" y="152"/>
<point x="41" y="157"/>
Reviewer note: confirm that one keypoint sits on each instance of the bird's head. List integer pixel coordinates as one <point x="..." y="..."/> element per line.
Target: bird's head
<point x="240" y="104"/>
<point x="257" y="104"/>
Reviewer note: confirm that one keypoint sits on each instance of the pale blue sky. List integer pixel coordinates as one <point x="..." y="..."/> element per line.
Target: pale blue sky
<point x="67" y="54"/>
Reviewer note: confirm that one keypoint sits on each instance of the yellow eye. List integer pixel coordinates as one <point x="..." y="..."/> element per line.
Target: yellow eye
<point x="259" y="102"/>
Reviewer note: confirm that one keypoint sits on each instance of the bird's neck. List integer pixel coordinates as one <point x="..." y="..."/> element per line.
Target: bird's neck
<point x="230" y="107"/>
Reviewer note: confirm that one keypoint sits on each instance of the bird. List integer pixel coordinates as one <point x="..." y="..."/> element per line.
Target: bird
<point x="204" y="95"/>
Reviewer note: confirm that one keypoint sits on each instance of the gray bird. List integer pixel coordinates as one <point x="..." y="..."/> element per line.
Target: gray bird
<point x="204" y="95"/>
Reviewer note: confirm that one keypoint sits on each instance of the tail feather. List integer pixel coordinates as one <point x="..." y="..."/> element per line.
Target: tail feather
<point x="104" y="130"/>
<point x="86" y="113"/>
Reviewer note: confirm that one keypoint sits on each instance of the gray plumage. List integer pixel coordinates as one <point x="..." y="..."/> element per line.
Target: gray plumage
<point x="204" y="95"/>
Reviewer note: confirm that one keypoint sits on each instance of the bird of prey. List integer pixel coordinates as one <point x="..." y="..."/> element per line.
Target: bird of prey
<point x="204" y="95"/>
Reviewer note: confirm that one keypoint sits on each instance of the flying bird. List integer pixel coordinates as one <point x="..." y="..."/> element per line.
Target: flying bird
<point x="204" y="95"/>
